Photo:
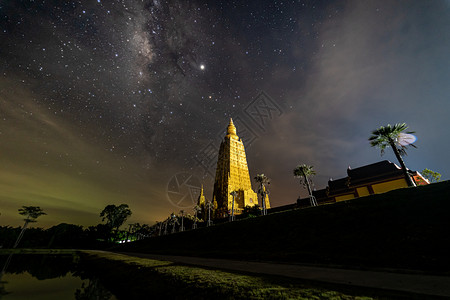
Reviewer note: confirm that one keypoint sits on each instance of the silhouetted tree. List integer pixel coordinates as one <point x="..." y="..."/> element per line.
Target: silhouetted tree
<point x="166" y="223"/>
<point x="92" y="290"/>
<point x="182" y="220"/>
<point x="251" y="211"/>
<point x="99" y="233"/>
<point x="66" y="236"/>
<point x="263" y="180"/>
<point x="144" y="231"/>
<point x="209" y="207"/>
<point x="31" y="213"/>
<point x="304" y="173"/>
<point x="197" y="209"/>
<point x="432" y="176"/>
<point x="115" y="216"/>
<point x="173" y="222"/>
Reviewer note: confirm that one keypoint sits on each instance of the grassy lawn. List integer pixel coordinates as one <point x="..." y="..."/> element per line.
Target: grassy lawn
<point x="139" y="278"/>
<point x="402" y="229"/>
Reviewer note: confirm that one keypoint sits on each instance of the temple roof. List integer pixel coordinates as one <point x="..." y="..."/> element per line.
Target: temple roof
<point x="374" y="172"/>
<point x="320" y="194"/>
<point x="338" y="186"/>
<point x="382" y="171"/>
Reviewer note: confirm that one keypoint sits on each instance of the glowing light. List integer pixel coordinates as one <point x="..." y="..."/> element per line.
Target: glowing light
<point x="202" y="67"/>
<point x="405" y="139"/>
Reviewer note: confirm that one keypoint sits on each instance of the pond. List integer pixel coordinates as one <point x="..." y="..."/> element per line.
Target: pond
<point x="31" y="276"/>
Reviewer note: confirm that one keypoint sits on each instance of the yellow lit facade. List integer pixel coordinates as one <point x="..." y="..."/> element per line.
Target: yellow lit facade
<point x="383" y="187"/>
<point x="376" y="178"/>
<point x="201" y="199"/>
<point x="201" y="203"/>
<point x="232" y="175"/>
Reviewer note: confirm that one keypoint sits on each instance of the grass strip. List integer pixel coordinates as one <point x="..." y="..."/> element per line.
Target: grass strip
<point x="139" y="278"/>
<point x="38" y="251"/>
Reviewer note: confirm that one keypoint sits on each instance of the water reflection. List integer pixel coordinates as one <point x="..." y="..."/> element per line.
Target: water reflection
<point x="93" y="290"/>
<point x="48" y="277"/>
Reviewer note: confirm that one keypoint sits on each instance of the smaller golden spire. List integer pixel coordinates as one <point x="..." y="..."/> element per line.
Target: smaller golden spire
<point x="231" y="130"/>
<point x="201" y="198"/>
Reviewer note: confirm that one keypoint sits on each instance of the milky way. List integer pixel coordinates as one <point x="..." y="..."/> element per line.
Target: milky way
<point x="106" y="102"/>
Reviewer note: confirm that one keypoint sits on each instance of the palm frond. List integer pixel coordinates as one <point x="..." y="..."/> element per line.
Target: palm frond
<point x="402" y="151"/>
<point x="304" y="170"/>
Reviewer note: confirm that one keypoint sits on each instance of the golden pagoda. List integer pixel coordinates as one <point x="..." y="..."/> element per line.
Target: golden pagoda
<point x="232" y="175"/>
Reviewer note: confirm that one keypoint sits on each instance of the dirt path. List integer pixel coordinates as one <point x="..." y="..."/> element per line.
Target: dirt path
<point x="419" y="284"/>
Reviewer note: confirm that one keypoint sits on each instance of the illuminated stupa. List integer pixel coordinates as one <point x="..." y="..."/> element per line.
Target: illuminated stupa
<point x="232" y="175"/>
<point x="201" y="203"/>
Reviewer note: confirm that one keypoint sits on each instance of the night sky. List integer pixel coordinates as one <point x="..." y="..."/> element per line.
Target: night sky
<point x="110" y="102"/>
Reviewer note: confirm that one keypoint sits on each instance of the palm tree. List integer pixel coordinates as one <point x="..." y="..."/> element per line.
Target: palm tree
<point x="209" y="207"/>
<point x="31" y="213"/>
<point x="389" y="136"/>
<point x="143" y="231"/>
<point x="233" y="194"/>
<point x="196" y="210"/>
<point x="174" y="222"/>
<point x="304" y="173"/>
<point x="159" y="226"/>
<point x="166" y="222"/>
<point x="139" y="231"/>
<point x="263" y="180"/>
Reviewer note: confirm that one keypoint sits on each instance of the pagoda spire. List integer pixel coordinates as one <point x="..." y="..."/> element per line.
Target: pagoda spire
<point x="231" y="130"/>
<point x="201" y="198"/>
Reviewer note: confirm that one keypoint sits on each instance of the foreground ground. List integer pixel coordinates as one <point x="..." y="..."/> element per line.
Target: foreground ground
<point x="390" y="282"/>
<point x="131" y="277"/>
<point x="145" y="276"/>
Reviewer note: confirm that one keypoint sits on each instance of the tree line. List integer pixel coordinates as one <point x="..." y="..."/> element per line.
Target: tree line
<point x="73" y="236"/>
